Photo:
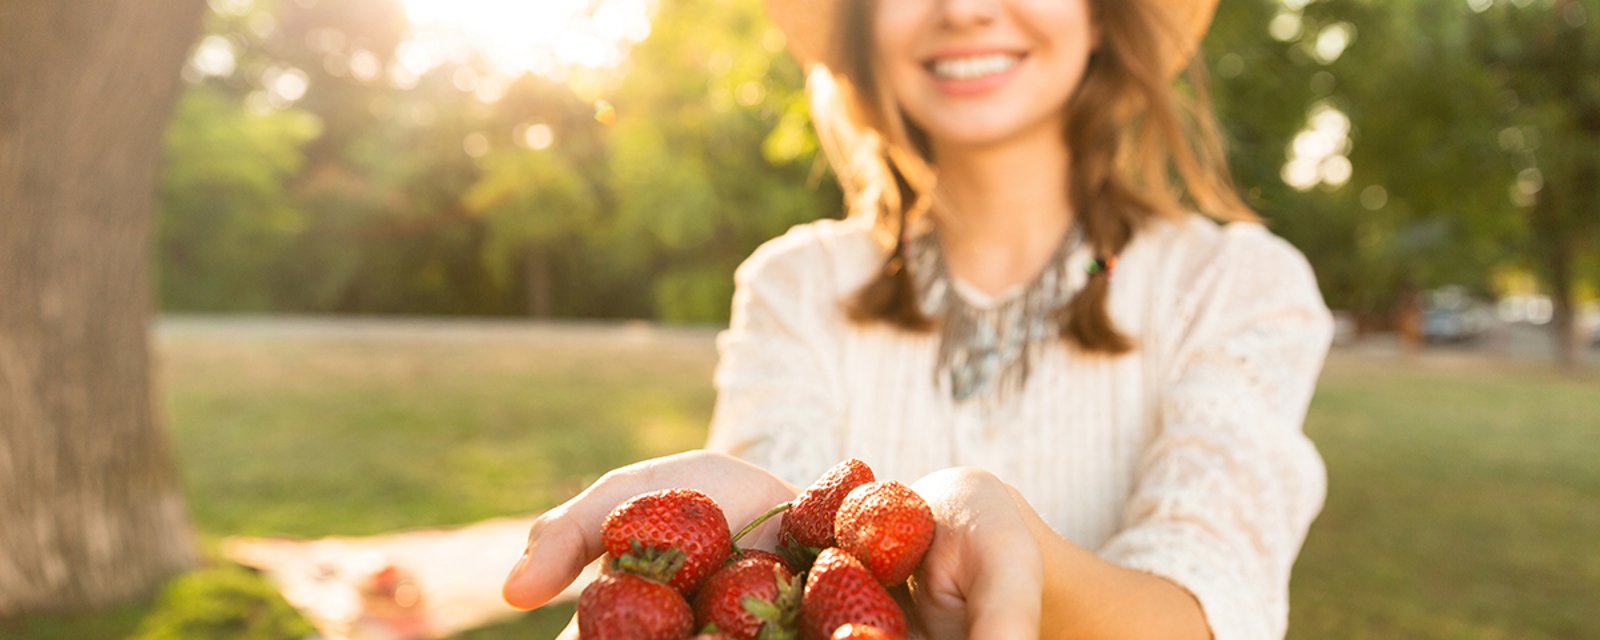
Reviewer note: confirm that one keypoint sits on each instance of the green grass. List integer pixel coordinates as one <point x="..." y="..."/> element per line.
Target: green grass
<point x="1463" y="503"/>
<point x="1464" y="500"/>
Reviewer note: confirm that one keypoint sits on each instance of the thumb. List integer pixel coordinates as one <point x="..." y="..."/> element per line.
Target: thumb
<point x="559" y="547"/>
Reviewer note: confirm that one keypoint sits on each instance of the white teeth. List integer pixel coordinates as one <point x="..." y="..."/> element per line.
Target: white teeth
<point x="974" y="67"/>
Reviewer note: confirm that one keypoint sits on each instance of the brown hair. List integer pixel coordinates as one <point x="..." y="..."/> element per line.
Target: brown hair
<point x="1140" y="149"/>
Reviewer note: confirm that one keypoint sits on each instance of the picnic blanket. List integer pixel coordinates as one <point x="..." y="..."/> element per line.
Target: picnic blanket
<point x="411" y="585"/>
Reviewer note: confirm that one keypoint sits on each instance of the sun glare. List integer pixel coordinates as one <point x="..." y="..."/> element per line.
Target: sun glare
<point x="551" y="38"/>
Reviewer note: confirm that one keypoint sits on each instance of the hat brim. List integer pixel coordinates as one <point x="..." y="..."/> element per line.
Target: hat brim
<point x="808" y="25"/>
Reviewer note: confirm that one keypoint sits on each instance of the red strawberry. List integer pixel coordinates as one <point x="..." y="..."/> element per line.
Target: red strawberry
<point x="840" y="591"/>
<point x="627" y="607"/>
<point x="677" y="536"/>
<point x="863" y="632"/>
<point x="807" y="526"/>
<point x="888" y="527"/>
<point x="753" y="597"/>
<point x="766" y="555"/>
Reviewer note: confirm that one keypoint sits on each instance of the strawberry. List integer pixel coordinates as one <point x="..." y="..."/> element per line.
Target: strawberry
<point x="807" y="527"/>
<point x="755" y="597"/>
<point x="887" y="526"/>
<point x="624" y="606"/>
<point x="863" y="632"/>
<point x="676" y="536"/>
<point x="767" y="555"/>
<point x="840" y="591"/>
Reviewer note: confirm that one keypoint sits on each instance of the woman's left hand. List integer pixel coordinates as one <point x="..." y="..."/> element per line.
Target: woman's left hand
<point x="983" y="576"/>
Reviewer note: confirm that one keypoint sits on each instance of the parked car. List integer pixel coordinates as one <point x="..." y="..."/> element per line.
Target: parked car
<point x="1451" y="314"/>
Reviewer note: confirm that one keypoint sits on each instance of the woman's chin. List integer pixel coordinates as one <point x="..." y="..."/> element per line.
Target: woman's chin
<point x="975" y="135"/>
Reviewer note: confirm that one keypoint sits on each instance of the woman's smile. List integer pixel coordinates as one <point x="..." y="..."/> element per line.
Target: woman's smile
<point x="960" y="74"/>
<point x="975" y="74"/>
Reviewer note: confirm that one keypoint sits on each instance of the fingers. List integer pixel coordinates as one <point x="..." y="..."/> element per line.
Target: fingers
<point x="560" y="544"/>
<point x="983" y="579"/>
<point x="566" y="539"/>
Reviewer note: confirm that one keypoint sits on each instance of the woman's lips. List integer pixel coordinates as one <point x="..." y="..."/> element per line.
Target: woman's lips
<point x="973" y="75"/>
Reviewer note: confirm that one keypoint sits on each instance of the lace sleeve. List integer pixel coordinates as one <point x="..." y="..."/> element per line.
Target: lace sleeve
<point x="777" y="380"/>
<point x="1230" y="484"/>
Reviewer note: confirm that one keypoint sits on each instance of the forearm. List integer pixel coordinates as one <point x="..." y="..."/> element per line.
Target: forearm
<point x="1087" y="597"/>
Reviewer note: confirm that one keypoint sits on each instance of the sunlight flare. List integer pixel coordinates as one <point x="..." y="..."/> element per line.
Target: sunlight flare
<point x="546" y="37"/>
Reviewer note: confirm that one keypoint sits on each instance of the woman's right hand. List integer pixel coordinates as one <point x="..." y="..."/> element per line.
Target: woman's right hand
<point x="567" y="538"/>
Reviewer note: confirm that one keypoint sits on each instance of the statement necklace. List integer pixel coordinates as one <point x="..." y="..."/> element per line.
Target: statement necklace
<point x="985" y="353"/>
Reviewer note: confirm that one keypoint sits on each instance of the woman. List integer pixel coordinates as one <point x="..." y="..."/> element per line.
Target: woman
<point x="1101" y="392"/>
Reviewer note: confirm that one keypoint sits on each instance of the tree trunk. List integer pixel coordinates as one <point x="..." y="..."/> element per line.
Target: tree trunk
<point x="91" y="510"/>
<point x="1558" y="250"/>
<point x="536" y="279"/>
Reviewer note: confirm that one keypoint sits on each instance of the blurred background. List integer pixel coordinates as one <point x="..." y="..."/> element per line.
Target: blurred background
<point x="616" y="159"/>
<point x="416" y="260"/>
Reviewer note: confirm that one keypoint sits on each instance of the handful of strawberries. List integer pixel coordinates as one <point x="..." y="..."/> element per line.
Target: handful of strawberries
<point x="844" y="542"/>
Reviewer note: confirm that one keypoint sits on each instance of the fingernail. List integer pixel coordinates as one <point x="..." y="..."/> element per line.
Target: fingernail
<point x="522" y="564"/>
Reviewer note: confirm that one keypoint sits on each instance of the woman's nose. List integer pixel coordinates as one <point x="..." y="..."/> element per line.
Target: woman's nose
<point x="957" y="14"/>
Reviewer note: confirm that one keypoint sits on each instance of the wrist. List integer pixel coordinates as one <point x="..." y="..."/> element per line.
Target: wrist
<point x="1086" y="596"/>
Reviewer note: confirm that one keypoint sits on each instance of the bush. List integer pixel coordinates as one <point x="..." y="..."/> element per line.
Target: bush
<point x="222" y="603"/>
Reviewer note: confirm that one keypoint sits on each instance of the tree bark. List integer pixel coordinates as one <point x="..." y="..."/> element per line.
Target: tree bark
<point x="536" y="280"/>
<point x="1564" y="323"/>
<point x="91" y="510"/>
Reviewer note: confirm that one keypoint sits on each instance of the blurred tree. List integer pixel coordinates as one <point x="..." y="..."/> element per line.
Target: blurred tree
<point x="227" y="216"/>
<point x="441" y="186"/>
<point x="91" y="511"/>
<point x="534" y="201"/>
<point x="711" y="154"/>
<point x="1424" y="204"/>
<point x="1545" y="59"/>
<point x="1396" y="143"/>
<point x="1376" y="176"/>
<point x="1442" y="142"/>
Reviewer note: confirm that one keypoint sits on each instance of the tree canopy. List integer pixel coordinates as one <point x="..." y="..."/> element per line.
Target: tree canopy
<point x="1401" y="144"/>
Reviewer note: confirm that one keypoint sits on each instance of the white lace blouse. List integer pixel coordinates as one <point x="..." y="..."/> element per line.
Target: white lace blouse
<point x="1184" y="459"/>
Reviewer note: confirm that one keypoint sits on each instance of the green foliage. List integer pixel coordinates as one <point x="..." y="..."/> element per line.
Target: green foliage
<point x="1450" y="107"/>
<point x="692" y="294"/>
<point x="1474" y="134"/>
<point x="637" y="200"/>
<point x="529" y="198"/>
<point x="227" y="215"/>
<point x="712" y="152"/>
<point x="222" y="603"/>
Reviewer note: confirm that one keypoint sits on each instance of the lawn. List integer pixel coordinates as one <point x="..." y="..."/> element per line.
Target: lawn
<point x="1464" y="499"/>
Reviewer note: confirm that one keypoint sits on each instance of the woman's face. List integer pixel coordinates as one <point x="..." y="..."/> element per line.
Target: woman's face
<point x="982" y="72"/>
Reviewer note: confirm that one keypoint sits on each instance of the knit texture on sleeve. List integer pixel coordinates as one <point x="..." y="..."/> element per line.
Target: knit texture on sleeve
<point x="778" y="403"/>
<point x="1229" y="486"/>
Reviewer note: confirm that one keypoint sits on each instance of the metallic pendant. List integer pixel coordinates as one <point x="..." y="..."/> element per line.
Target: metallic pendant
<point x="985" y="353"/>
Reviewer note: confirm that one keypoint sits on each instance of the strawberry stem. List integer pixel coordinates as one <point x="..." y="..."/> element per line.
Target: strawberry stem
<point x="757" y="522"/>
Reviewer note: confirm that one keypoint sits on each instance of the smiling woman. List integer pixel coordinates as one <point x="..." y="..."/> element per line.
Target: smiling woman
<point x="548" y="37"/>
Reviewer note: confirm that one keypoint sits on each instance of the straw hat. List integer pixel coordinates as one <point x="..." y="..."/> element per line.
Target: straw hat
<point x="808" y="25"/>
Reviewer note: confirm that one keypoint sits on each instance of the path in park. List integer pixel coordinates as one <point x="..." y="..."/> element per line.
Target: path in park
<point x="1510" y="343"/>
